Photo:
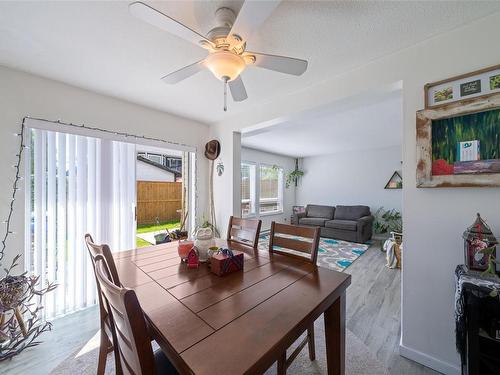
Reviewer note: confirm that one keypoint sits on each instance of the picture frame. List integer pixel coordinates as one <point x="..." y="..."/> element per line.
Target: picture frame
<point x="395" y="182"/>
<point x="479" y="83"/>
<point x="465" y="168"/>
<point x="298" y="209"/>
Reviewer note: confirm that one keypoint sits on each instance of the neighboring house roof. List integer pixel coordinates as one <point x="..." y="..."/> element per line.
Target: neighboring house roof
<point x="160" y="166"/>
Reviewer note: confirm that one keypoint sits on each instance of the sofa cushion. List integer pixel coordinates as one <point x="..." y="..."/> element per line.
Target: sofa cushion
<point x="342" y="224"/>
<point x="351" y="212"/>
<point x="315" y="221"/>
<point x="325" y="212"/>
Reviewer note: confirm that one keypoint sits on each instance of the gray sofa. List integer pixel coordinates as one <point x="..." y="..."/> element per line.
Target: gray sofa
<point x="348" y="223"/>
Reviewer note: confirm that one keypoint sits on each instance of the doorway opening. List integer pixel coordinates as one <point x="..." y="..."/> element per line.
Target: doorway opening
<point x="342" y="172"/>
<point x="162" y="194"/>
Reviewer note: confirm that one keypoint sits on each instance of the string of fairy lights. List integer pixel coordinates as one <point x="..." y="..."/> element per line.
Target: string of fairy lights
<point x="19" y="156"/>
<point x="15" y="188"/>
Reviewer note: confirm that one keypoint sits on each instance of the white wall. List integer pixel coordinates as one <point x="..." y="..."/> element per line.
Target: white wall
<point x="148" y="172"/>
<point x="355" y="177"/>
<point x="288" y="164"/>
<point x="22" y="94"/>
<point x="433" y="218"/>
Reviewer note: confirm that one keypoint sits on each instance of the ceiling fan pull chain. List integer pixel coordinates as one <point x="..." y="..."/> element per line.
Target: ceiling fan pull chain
<point x="225" y="93"/>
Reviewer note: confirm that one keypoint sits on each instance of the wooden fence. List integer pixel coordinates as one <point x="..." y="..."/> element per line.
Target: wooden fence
<point x="160" y="200"/>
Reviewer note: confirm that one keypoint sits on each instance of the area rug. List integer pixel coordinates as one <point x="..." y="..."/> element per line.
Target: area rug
<point x="333" y="254"/>
<point x="359" y="360"/>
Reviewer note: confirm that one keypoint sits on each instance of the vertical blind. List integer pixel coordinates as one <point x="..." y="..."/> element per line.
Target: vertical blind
<point x="78" y="185"/>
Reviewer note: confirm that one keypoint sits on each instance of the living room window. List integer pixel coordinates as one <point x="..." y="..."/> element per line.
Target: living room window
<point x="271" y="189"/>
<point x="248" y="196"/>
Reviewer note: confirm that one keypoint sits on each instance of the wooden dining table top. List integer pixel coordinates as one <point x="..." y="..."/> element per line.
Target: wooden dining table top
<point x="235" y="324"/>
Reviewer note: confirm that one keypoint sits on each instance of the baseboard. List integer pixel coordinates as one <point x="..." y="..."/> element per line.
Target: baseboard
<point x="426" y="360"/>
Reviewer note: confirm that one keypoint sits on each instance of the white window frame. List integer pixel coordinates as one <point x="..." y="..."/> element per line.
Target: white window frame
<point x="279" y="199"/>
<point x="255" y="200"/>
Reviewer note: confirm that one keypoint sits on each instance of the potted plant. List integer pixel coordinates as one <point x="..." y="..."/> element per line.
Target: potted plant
<point x="205" y="223"/>
<point x="388" y="222"/>
<point x="294" y="176"/>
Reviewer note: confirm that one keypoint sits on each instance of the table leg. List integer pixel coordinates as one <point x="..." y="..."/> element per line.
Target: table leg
<point x="335" y="336"/>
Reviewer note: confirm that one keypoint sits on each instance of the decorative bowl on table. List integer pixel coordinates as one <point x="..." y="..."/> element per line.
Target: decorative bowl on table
<point x="183" y="248"/>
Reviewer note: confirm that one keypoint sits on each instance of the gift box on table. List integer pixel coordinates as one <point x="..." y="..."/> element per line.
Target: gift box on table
<point x="226" y="261"/>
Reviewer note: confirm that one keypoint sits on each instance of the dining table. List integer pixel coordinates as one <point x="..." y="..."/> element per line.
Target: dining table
<point x="240" y="323"/>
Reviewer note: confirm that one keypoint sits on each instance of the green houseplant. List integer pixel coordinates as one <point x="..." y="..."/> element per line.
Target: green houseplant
<point x="387" y="221"/>
<point x="205" y="223"/>
<point x="294" y="176"/>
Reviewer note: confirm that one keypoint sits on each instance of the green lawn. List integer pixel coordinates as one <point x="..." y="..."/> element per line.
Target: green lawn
<point x="145" y="228"/>
<point x="139" y="242"/>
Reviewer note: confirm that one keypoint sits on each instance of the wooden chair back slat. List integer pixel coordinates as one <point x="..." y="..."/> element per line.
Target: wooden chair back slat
<point x="290" y="243"/>
<point x="295" y="230"/>
<point x="105" y="251"/>
<point x="308" y="248"/>
<point x="243" y="234"/>
<point x="107" y="334"/>
<point x="132" y="339"/>
<point x="102" y="250"/>
<point x="244" y="231"/>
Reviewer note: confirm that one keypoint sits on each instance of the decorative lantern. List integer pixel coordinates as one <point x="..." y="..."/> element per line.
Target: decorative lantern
<point x="478" y="237"/>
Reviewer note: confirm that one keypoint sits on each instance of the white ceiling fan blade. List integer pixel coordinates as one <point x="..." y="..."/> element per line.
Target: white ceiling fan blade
<point x="184" y="73"/>
<point x="252" y="14"/>
<point x="164" y="22"/>
<point x="283" y="64"/>
<point x="238" y="91"/>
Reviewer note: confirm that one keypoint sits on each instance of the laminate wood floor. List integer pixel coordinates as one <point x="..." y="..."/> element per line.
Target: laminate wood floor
<point x="373" y="310"/>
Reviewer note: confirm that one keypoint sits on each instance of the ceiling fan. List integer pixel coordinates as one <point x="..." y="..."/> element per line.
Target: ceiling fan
<point x="226" y="45"/>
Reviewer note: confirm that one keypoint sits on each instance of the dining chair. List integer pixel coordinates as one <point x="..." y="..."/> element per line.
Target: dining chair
<point x="306" y="250"/>
<point x="244" y="231"/>
<point x="135" y="353"/>
<point x="106" y="345"/>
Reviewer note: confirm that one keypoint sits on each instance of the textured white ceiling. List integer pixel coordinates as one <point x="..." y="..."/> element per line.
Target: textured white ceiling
<point x="99" y="46"/>
<point x="370" y="124"/>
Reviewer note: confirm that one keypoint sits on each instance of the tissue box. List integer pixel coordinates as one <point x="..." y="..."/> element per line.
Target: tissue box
<point x="221" y="264"/>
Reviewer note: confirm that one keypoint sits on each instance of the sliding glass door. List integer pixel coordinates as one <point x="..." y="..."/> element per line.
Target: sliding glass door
<point x="77" y="185"/>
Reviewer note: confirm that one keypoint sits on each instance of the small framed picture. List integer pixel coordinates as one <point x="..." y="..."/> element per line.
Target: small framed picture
<point x="298" y="209"/>
<point x="443" y="94"/>
<point x="470" y="88"/>
<point x="480" y="83"/>
<point x="495" y="82"/>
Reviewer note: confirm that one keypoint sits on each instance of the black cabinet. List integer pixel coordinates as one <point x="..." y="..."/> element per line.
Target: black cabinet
<point x="482" y="327"/>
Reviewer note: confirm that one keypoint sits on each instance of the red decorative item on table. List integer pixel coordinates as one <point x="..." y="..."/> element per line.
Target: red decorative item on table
<point x="193" y="261"/>
<point x="226" y="261"/>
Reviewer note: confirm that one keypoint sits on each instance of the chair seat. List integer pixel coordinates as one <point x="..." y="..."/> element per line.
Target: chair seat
<point x="342" y="224"/>
<point x="314" y="221"/>
<point x="163" y="365"/>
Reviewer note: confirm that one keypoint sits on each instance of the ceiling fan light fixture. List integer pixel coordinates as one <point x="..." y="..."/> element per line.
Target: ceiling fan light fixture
<point x="225" y="64"/>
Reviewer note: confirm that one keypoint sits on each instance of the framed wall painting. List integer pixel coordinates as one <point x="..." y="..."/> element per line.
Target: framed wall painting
<point x="471" y="85"/>
<point x="458" y="144"/>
